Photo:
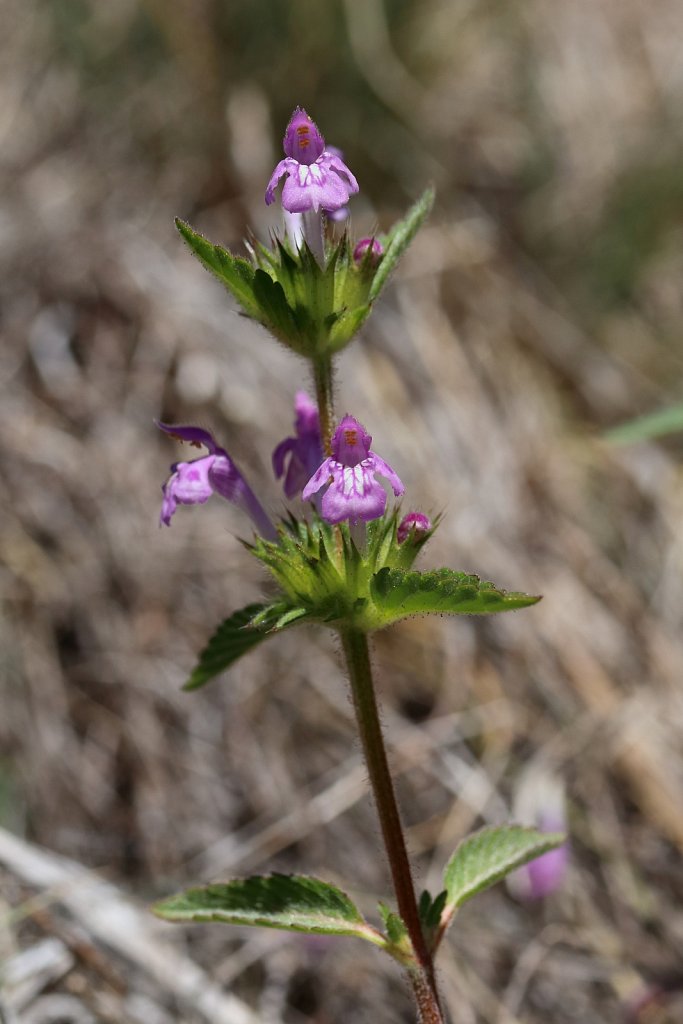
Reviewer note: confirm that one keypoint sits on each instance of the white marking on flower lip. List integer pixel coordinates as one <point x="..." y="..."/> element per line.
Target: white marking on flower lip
<point x="354" y="480"/>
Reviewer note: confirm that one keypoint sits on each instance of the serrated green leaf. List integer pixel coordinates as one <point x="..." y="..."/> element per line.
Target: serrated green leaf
<point x="235" y="273"/>
<point x="233" y="638"/>
<point x="267" y="618"/>
<point x="398" y="240"/>
<point x="394" y="925"/>
<point x="485" y="857"/>
<point x="274" y="309"/>
<point x="290" y="902"/>
<point x="290" y="617"/>
<point x="397" y="593"/>
<point x="437" y="908"/>
<point x="398" y="943"/>
<point x="346" y="325"/>
<point x="430" y="910"/>
<point x="263" y="257"/>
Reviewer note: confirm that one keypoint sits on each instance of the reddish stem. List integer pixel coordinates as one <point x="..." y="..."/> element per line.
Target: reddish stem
<point x="355" y="646"/>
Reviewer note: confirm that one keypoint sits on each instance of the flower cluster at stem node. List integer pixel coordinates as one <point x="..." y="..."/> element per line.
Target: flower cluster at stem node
<point x="316" y="177"/>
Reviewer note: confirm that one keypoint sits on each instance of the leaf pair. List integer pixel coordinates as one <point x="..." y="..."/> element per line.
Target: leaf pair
<point x="395" y="594"/>
<point x="303" y="904"/>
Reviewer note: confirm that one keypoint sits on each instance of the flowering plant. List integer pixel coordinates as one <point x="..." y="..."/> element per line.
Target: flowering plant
<point x="346" y="563"/>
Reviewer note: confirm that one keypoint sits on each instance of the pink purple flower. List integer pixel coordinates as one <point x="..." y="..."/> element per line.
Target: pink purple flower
<point x="304" y="450"/>
<point x="340" y="215"/>
<point x="193" y="483"/>
<point x="416" y="523"/>
<point x="363" y="246"/>
<point x="354" y="492"/>
<point x="316" y="177"/>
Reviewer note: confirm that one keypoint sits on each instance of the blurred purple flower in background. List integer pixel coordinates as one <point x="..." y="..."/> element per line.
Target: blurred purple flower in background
<point x="354" y="493"/>
<point x="338" y="216"/>
<point x="540" y="802"/>
<point x="317" y="179"/>
<point x="545" y="875"/>
<point x="655" y="1002"/>
<point x="305" y="450"/>
<point x="193" y="483"/>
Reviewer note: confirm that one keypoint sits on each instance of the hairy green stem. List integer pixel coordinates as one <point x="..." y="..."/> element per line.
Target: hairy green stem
<point x="355" y="645"/>
<point x="322" y="375"/>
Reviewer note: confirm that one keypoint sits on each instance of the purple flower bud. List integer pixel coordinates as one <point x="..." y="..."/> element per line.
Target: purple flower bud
<point x="305" y="450"/>
<point x="363" y="246"/>
<point x="193" y="483"/>
<point x="316" y="178"/>
<point x="354" y="493"/>
<point x="416" y="523"/>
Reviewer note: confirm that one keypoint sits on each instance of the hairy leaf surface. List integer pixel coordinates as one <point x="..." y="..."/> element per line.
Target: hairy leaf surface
<point x="485" y="857"/>
<point x="291" y="902"/>
<point x="398" y="593"/>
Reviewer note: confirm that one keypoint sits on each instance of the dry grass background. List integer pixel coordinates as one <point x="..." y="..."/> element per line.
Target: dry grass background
<point x="541" y="305"/>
